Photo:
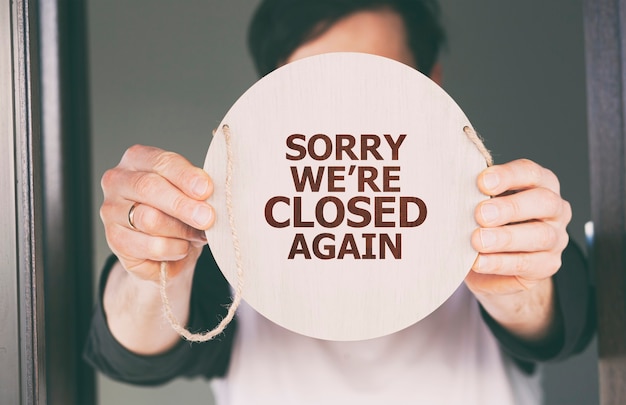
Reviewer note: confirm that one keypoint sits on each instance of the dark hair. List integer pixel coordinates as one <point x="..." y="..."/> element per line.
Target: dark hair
<point x="280" y="26"/>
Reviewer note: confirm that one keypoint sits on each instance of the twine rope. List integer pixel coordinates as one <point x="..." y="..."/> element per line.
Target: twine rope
<point x="480" y="145"/>
<point x="169" y="315"/>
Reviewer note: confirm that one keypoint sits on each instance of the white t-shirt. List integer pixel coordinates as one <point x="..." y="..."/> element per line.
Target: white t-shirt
<point x="450" y="357"/>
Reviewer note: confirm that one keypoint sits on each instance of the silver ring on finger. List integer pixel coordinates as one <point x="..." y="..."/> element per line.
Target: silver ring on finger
<point x="131" y="216"/>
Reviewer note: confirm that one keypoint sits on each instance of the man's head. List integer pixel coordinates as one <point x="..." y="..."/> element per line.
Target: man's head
<point x="407" y="30"/>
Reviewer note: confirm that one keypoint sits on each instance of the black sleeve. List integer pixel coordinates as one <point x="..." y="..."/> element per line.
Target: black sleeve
<point x="209" y="297"/>
<point x="575" y="301"/>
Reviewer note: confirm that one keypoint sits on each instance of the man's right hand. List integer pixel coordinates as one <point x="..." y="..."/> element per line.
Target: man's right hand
<point x="170" y="218"/>
<point x="167" y="225"/>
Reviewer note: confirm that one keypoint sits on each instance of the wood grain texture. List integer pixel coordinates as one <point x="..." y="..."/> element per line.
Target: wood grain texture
<point x="347" y="298"/>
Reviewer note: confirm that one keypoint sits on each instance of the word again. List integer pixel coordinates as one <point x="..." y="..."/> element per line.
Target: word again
<point x="325" y="247"/>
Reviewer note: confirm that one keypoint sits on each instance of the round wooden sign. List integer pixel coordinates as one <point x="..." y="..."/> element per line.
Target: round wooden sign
<point x="353" y="196"/>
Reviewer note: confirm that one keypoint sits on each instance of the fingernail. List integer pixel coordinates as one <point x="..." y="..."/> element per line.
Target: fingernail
<point x="491" y="180"/>
<point x="487" y="237"/>
<point x="202" y="215"/>
<point x="200" y="186"/>
<point x="489" y="212"/>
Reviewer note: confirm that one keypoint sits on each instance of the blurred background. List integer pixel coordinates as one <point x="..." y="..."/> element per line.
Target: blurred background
<point x="163" y="73"/>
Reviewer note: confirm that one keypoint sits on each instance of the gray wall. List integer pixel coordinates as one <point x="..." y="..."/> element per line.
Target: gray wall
<point x="163" y="73"/>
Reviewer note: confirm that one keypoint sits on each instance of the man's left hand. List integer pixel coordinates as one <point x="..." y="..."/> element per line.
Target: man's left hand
<point x="520" y="240"/>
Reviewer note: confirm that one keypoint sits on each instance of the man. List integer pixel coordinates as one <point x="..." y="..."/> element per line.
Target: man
<point x="527" y="309"/>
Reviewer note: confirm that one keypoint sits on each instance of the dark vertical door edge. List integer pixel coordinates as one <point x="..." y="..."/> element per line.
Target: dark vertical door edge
<point x="67" y="204"/>
<point x="605" y="33"/>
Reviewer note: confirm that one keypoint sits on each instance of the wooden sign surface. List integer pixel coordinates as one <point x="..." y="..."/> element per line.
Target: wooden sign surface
<point x="353" y="193"/>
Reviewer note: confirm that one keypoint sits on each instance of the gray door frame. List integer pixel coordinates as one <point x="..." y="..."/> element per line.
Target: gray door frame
<point x="605" y="42"/>
<point x="45" y="243"/>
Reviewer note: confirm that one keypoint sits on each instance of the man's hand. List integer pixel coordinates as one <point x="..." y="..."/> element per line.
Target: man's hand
<point x="520" y="240"/>
<point x="168" y="223"/>
<point x="169" y="218"/>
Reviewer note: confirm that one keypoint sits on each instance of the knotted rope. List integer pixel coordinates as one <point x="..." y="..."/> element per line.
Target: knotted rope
<point x="171" y="318"/>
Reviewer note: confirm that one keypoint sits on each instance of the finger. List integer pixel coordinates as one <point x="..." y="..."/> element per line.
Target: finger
<point x="155" y="191"/>
<point x="137" y="245"/>
<point x="532" y="266"/>
<point x="534" y="203"/>
<point x="489" y="284"/>
<point x="516" y="175"/>
<point x="191" y="180"/>
<point x="154" y="222"/>
<point x="533" y="236"/>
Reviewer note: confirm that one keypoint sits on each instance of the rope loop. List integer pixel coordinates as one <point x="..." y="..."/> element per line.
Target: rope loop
<point x="167" y="308"/>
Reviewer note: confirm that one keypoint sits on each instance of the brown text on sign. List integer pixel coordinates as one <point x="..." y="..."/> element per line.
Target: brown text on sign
<point x="357" y="211"/>
<point x="344" y="145"/>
